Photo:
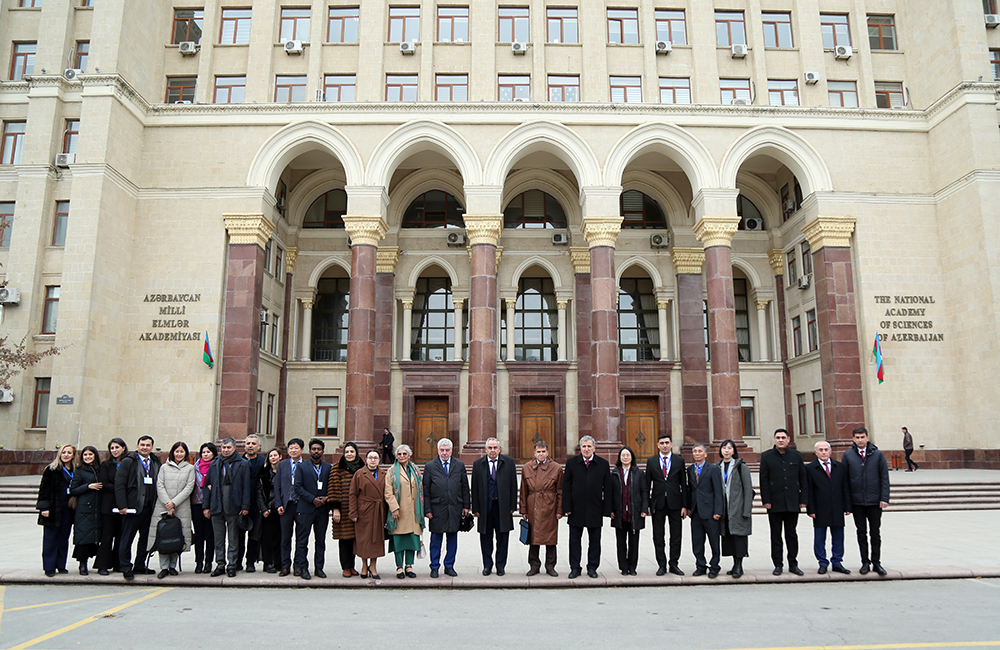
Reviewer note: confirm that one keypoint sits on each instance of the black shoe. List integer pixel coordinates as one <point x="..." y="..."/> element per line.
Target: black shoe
<point x="632" y="572"/>
<point x="796" y="570"/>
<point x="62" y="570"/>
<point x="777" y="571"/>
<point x="730" y="572"/>
<point x="269" y="568"/>
<point x="148" y="571"/>
<point x="699" y="572"/>
<point x="297" y="571"/>
<point x="434" y="574"/>
<point x="218" y="572"/>
<point x="197" y="568"/>
<point x="865" y="568"/>
<point x="676" y="571"/>
<point x="207" y="568"/>
<point x="231" y="573"/>
<point x="373" y="576"/>
<point x="448" y="571"/>
<point x="83" y="569"/>
<point x="173" y="571"/>
<point x="500" y="572"/>
<point x="878" y="569"/>
<point x="839" y="568"/>
<point x="661" y="571"/>
<point x="128" y="575"/>
<point x="319" y="573"/>
<point x="50" y="574"/>
<point x="486" y="572"/>
<point x="402" y="576"/>
<point x="592" y="573"/>
<point x="103" y="572"/>
<point x="624" y="572"/>
<point x="737" y="573"/>
<point x="162" y="574"/>
<point x="408" y="570"/>
<point x="251" y="568"/>
<point x="304" y="574"/>
<point x="714" y="573"/>
<point x="574" y="573"/>
<point x="822" y="570"/>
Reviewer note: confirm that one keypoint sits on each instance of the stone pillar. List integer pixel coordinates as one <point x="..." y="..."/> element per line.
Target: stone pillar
<point x="562" y="305"/>
<point x="407" y="329"/>
<point x="777" y="260"/>
<point x="601" y="234"/>
<point x="510" y="303"/>
<point x="580" y="257"/>
<point x="484" y="234"/>
<point x="694" y="380"/>
<point x="307" y="326"/>
<point x="291" y="254"/>
<point x="762" y="329"/>
<point x="458" y="302"/>
<point x="365" y="232"/>
<point x="843" y="406"/>
<point x="385" y="270"/>
<point x="661" y="315"/>
<point x="248" y="234"/>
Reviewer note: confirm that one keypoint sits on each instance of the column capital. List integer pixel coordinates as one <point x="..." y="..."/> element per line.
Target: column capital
<point x="457" y="302"/>
<point x="483" y="228"/>
<point x="716" y="231"/>
<point x="365" y="229"/>
<point x="386" y="258"/>
<point x="829" y="231"/>
<point x="663" y="304"/>
<point x="291" y="254"/>
<point x="580" y="257"/>
<point x="601" y="231"/>
<point x="562" y="304"/>
<point x="777" y="259"/>
<point x="244" y="228"/>
<point x="688" y="260"/>
<point x="307" y="303"/>
<point x="762" y="304"/>
<point x="407" y="303"/>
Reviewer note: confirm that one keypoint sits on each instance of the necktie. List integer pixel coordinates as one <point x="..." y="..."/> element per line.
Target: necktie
<point x="697" y="471"/>
<point x="666" y="466"/>
<point x="446" y="468"/>
<point x="586" y="462"/>
<point x="493" y="469"/>
<point x="862" y="454"/>
<point x="826" y="466"/>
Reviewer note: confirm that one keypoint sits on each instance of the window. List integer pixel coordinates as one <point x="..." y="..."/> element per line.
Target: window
<point x="453" y="24"/>
<point x="564" y="88"/>
<point x="81" y="55"/>
<point x="270" y="415"/>
<point x="534" y="209"/>
<point x="330" y="320"/>
<point x="326" y="416"/>
<point x="188" y="25"/>
<point x="275" y="333"/>
<point x="339" y="87"/>
<point x="263" y="333"/>
<point x="6" y="222"/>
<point x="670" y="26"/>
<point x="71" y="135"/>
<point x="513" y="87"/>
<point x="807" y="261"/>
<point x="535" y="321"/>
<point x="783" y="92"/>
<point x="777" y="29"/>
<point x="990" y="7"/>
<point x="23" y="60"/>
<point x="268" y="249"/>
<point x="434" y="209"/>
<point x="746" y="405"/>
<point x="638" y="321"/>
<point x="562" y="25"/>
<point x="295" y="24"/>
<point x="741" y="301"/>
<point x="51" y="311"/>
<point x="843" y="93"/>
<point x="451" y="88"/>
<point x="640" y="211"/>
<point x="675" y="90"/>
<point x="834" y="28"/>
<point x="796" y="336"/>
<point x="327" y="211"/>
<point x="747" y="210"/>
<point x="882" y="32"/>
<point x="279" y="269"/>
<point x="623" y="26"/>
<point x="513" y="24"/>
<point x="40" y="416"/>
<point x="811" y="331"/>
<point x="260" y="410"/>
<point x="13" y="143"/>
<point x="343" y="25"/>
<point x="401" y="88"/>
<point x="792" y="273"/>
<point x="404" y="24"/>
<point x="733" y="89"/>
<point x="86" y="3"/>
<point x="37" y="4"/>
<point x="432" y="332"/>
<point x="230" y="90"/>
<point x="290" y="88"/>
<point x="180" y="89"/>
<point x="729" y="28"/>
<point x="995" y="64"/>
<point x="803" y="423"/>
<point x="708" y="334"/>
<point x="626" y="89"/>
<point x="889" y="94"/>
<point x="60" y="224"/>
<point x="817" y="396"/>
<point x="235" y="26"/>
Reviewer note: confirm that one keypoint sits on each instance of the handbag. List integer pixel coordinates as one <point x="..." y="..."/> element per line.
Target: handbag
<point x="422" y="553"/>
<point x="525" y="532"/>
<point x="467" y="522"/>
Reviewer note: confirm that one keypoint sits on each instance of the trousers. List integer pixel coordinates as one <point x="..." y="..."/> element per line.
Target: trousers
<point x="451" y="550"/>
<point x="788" y="521"/>
<point x="287" y="526"/>
<point x="132" y="524"/>
<point x="535" y="562"/>
<point x="576" y="547"/>
<point x="660" y="520"/>
<point x="55" y="541"/>
<point x="865" y="518"/>
<point x="700" y="529"/>
<point x="227" y="534"/>
<point x="315" y="521"/>
<point x="836" y="543"/>
<point x="486" y="539"/>
<point x="628" y="548"/>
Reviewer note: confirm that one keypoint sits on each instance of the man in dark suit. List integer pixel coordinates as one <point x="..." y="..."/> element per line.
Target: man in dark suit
<point x="586" y="501"/>
<point x="868" y="476"/>
<point x="135" y="497"/>
<point x="668" y="495"/>
<point x="705" y="504"/>
<point x="287" y="501"/>
<point x="226" y="499"/>
<point x="494" y="499"/>
<point x="311" y="483"/>
<point x="829" y="500"/>
<point x="783" y="491"/>
<point x="446" y="501"/>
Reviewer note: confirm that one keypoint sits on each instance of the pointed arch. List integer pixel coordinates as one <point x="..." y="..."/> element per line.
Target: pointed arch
<point x="426" y="263"/>
<point x="548" y="136"/>
<point x="296" y="139"/>
<point x="323" y="266"/>
<point x="784" y="146"/>
<point x="418" y="136"/>
<point x="673" y="142"/>
<point x="536" y="260"/>
<point x="644" y="264"/>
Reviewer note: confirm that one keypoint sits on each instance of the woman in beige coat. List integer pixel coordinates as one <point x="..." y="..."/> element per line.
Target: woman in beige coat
<point x="366" y="501"/>
<point x="174" y="484"/>
<point x="404" y="493"/>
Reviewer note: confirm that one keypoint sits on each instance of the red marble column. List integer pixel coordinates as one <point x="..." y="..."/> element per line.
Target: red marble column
<point x="777" y="259"/>
<point x="291" y="254"/>
<point x="584" y="363"/>
<point x="359" y="410"/>
<point x="604" y="346"/>
<point x="384" y="299"/>
<point x="694" y="375"/>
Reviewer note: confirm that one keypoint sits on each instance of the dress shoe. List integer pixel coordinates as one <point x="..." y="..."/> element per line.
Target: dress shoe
<point x="284" y="572"/>
<point x="632" y="572"/>
<point x="500" y="572"/>
<point x="676" y="571"/>
<point x="822" y="570"/>
<point x="173" y="571"/>
<point x="51" y="574"/>
<point x="729" y="573"/>
<point x="434" y="574"/>
<point x="346" y="573"/>
<point x="162" y="574"/>
<point x="319" y="573"/>
<point x="402" y="576"/>
<point x="865" y="568"/>
<point x="574" y="573"/>
<point x="67" y="571"/>
<point x="661" y="571"/>
<point x="218" y="572"/>
<point x="839" y="568"/>
<point x="103" y="572"/>
<point x="354" y="573"/>
<point x="449" y="571"/>
<point x="486" y="572"/>
<point x="304" y="574"/>
<point x="714" y="573"/>
<point x="207" y="568"/>
<point x="373" y="576"/>
<point x="297" y="571"/>
<point x="231" y="573"/>
<point x="737" y="573"/>
<point x="592" y="573"/>
<point x="552" y="572"/>
<point x="777" y="571"/>
<point x="197" y="568"/>
<point x="533" y="571"/>
<point x="251" y="568"/>
<point x="796" y="570"/>
<point x="83" y="570"/>
<point x="699" y="572"/>
<point x="878" y="569"/>
<point x="269" y="568"/>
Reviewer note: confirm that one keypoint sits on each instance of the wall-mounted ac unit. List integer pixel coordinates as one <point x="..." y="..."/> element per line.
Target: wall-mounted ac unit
<point x="456" y="239"/>
<point x="739" y="101"/>
<point x="789" y="206"/>
<point x="664" y="47"/>
<point x="408" y="47"/>
<point x="187" y="48"/>
<point x="843" y="51"/>
<point x="659" y="240"/>
<point x="560" y="238"/>
<point x="72" y="73"/>
<point x="263" y="316"/>
<point x="739" y="50"/>
<point x="518" y="48"/>
<point x="752" y="223"/>
<point x="293" y="47"/>
<point x="10" y="295"/>
<point x="64" y="160"/>
<point x="992" y="20"/>
<point x="811" y="77"/>
<point x="6" y="396"/>
<point x="804" y="281"/>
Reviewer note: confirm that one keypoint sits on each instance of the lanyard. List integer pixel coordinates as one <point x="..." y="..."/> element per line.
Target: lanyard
<point x="376" y="474"/>
<point x="69" y="474"/>
<point x="145" y="464"/>
<point x="725" y="472"/>
<point x="318" y="469"/>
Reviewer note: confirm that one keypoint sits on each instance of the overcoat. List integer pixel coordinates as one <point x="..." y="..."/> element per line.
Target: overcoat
<point x="130" y="489"/>
<point x="829" y="496"/>
<point x="587" y="491"/>
<point x="174" y="483"/>
<point x="506" y="480"/>
<point x="738" y="490"/>
<point x="869" y="477"/>
<point x="408" y="494"/>
<point x="366" y="504"/>
<point x="213" y="490"/>
<point x="783" y="480"/>
<point x="106" y="477"/>
<point x="52" y="496"/>
<point x="87" y="520"/>
<point x="541" y="501"/>
<point x="638" y="491"/>
<point x="445" y="495"/>
<point x="337" y="498"/>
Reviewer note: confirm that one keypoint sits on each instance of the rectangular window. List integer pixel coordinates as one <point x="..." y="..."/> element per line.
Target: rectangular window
<point x="279" y="269"/>
<point x="453" y="24"/>
<point x="268" y="431"/>
<point x="562" y="25"/>
<point x="260" y="410"/>
<point x="674" y="90"/>
<point x="263" y="330"/>
<point x="730" y="28"/>
<point x="623" y="26"/>
<point x="513" y="24"/>
<point x="268" y="248"/>
<point x="180" y="89"/>
<point x="811" y="331"/>
<point x="86" y="3"/>
<point x="81" y="55"/>
<point x="843" y="93"/>
<point x="404" y="24"/>
<point x="290" y="88"/>
<point x="563" y="88"/>
<point x="235" y="26"/>
<point x="817" y="396"/>
<point x="188" y="25"/>
<point x="343" y="25"/>
<point x="733" y="89"/>
<point x="995" y="64"/>
<point x="40" y="416"/>
<point x="50" y="314"/>
<point x="889" y="94"/>
<point x="803" y="423"/>
<point x="793" y="275"/>
<point x="230" y="90"/>
<point x="796" y="336"/>
<point x="783" y="92"/>
<point x="23" y="61"/>
<point x="451" y="88"/>
<point x="295" y="24"/>
<point x="777" y="29"/>
<point x="6" y="222"/>
<point x="670" y="26"/>
<point x="626" y="89"/>
<point x="61" y="222"/>
<point x="882" y="32"/>
<point x="807" y="261"/>
<point x="991" y="7"/>
<point x="834" y="28"/>
<point x="326" y="416"/>
<point x="513" y="87"/>
<point x="71" y="136"/>
<point x="746" y="405"/>
<point x="13" y="143"/>
<point x="339" y="87"/>
<point x="401" y="88"/>
<point x="30" y="3"/>
<point x="741" y="302"/>
<point x="275" y="333"/>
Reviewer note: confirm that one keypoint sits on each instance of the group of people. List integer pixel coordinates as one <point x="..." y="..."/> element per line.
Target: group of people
<point x="246" y="508"/>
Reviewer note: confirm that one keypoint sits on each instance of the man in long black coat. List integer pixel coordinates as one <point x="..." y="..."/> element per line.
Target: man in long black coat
<point x="446" y="501"/>
<point x="829" y="500"/>
<point x="783" y="492"/>
<point x="586" y="502"/>
<point x="494" y="500"/>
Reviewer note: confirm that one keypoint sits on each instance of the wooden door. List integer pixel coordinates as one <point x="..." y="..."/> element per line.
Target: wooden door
<point x="642" y="426"/>
<point x="538" y="422"/>
<point x="431" y="425"/>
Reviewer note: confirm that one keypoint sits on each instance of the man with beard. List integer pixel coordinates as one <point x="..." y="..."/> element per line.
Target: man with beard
<point x="227" y="495"/>
<point x="311" y="481"/>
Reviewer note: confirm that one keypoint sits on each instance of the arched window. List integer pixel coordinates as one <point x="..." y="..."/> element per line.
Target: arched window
<point x="327" y="211"/>
<point x="432" y="334"/>
<point x="434" y="209"/>
<point x="750" y="217"/>
<point x="536" y="321"/>
<point x="638" y="321"/>
<point x="534" y="209"/>
<point x="329" y="326"/>
<point x="640" y="211"/>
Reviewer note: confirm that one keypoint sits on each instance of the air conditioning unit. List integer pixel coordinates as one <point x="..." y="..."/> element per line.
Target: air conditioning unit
<point x="10" y="295"/>
<point x="739" y="50"/>
<point x="519" y="99"/>
<point x="752" y="223"/>
<point x="560" y="238"/>
<point x="263" y="316"/>
<point x="408" y="47"/>
<point x="350" y="244"/>
<point x="789" y="206"/>
<point x="518" y="48"/>
<point x="280" y="202"/>
<point x="293" y="47"/>
<point x="739" y="101"/>
<point x="992" y="20"/>
<point x="64" y="160"/>
<point x="187" y="48"/>
<point x="456" y="239"/>
<point x="843" y="51"/>
<point x="72" y="73"/>
<point x="664" y="47"/>
<point x="811" y="77"/>
<point x="804" y="281"/>
<point x="183" y="101"/>
<point x="659" y="240"/>
<point x="6" y="396"/>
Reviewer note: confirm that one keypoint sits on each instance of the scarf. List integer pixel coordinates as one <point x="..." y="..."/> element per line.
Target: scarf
<point x="351" y="466"/>
<point x="414" y="477"/>
<point x="227" y="478"/>
<point x="203" y="466"/>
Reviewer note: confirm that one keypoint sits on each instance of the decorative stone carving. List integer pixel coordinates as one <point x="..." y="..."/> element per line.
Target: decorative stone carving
<point x="662" y="304"/>
<point x="716" y="231"/>
<point x="762" y="304"/>
<point x="248" y="228"/>
<point x="483" y="228"/>
<point x="580" y="257"/>
<point x="407" y="304"/>
<point x="829" y="231"/>
<point x="688" y="260"/>
<point x="386" y="259"/>
<point x="562" y="304"/>
<point x="601" y="231"/>
<point x="458" y="302"/>
<point x="777" y="259"/>
<point x="365" y="229"/>
<point x="307" y="303"/>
